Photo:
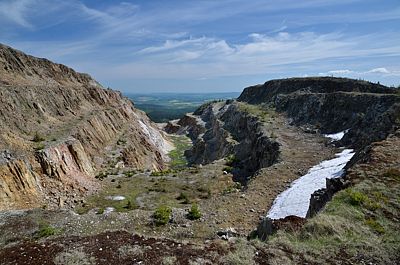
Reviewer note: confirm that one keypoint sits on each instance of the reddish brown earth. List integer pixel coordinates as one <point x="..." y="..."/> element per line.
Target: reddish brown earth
<point x="105" y="249"/>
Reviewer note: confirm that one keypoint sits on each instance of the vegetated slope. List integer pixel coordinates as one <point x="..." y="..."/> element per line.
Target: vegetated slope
<point x="57" y="128"/>
<point x="359" y="226"/>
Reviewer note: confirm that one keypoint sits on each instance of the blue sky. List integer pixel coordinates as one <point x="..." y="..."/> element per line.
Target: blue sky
<point x="205" y="45"/>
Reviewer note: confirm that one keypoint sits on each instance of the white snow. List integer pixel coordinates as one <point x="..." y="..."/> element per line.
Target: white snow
<point x="116" y="198"/>
<point x="336" y="136"/>
<point x="296" y="199"/>
<point x="109" y="210"/>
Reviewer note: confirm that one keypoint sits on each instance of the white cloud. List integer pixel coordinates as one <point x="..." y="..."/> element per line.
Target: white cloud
<point x="380" y="70"/>
<point x="340" y="72"/>
<point x="129" y="41"/>
<point x="16" y="11"/>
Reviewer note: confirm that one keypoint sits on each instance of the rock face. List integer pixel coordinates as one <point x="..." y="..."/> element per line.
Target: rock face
<point x="268" y="227"/>
<point x="369" y="111"/>
<point x="221" y="129"/>
<point x="57" y="128"/>
<point x="320" y="197"/>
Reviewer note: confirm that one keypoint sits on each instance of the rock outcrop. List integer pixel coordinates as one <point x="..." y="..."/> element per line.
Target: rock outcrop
<point x="57" y="129"/>
<point x="222" y="129"/>
<point x="368" y="111"/>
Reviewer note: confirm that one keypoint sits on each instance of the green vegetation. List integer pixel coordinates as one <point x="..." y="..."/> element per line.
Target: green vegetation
<point x="228" y="169"/>
<point x="194" y="212"/>
<point x="131" y="205"/>
<point x="101" y="175"/>
<point x="39" y="147"/>
<point x="45" y="230"/>
<point x="234" y="188"/>
<point x="231" y="160"/>
<point x="37" y="138"/>
<point x="242" y="254"/>
<point x="163" y="172"/>
<point x="150" y="192"/>
<point x="178" y="159"/>
<point x="356" y="197"/>
<point x="184" y="198"/>
<point x="263" y="112"/>
<point x="130" y="173"/>
<point x="362" y="219"/>
<point x="162" y="215"/>
<point x="376" y="226"/>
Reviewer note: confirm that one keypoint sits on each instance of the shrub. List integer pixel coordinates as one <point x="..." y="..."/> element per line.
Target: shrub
<point x="100" y="210"/>
<point x="162" y="215"/>
<point x="131" y="205"/>
<point x="45" y="230"/>
<point x="184" y="197"/>
<point x="377" y="227"/>
<point x="129" y="173"/>
<point x="37" y="137"/>
<point x="101" y="175"/>
<point x="356" y="198"/>
<point x="39" y="147"/>
<point x="161" y="173"/>
<point x="230" y="160"/>
<point x="228" y="169"/>
<point x="194" y="212"/>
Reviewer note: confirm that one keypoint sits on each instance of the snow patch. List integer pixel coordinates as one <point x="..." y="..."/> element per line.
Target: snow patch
<point x="296" y="199"/>
<point x="115" y="198"/>
<point x="336" y="136"/>
<point x="108" y="210"/>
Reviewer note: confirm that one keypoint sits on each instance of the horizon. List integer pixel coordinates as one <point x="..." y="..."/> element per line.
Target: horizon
<point x="143" y="47"/>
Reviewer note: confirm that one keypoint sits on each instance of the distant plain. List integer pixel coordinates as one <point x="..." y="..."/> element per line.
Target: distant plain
<point x="162" y="107"/>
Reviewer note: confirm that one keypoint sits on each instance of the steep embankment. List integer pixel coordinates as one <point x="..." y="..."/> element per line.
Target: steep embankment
<point x="57" y="128"/>
<point x="368" y="111"/>
<point x="224" y="129"/>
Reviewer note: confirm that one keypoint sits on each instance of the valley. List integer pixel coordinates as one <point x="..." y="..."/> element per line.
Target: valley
<point x="91" y="179"/>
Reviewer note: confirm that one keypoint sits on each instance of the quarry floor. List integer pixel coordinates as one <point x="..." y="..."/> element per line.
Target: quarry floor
<point x="224" y="205"/>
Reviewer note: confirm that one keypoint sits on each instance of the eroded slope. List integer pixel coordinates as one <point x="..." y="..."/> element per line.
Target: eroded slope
<point x="57" y="129"/>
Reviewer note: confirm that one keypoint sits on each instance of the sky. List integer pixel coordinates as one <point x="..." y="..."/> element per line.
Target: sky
<point x="208" y="45"/>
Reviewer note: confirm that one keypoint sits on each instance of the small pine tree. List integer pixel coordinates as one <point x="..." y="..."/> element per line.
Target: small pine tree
<point x="194" y="212"/>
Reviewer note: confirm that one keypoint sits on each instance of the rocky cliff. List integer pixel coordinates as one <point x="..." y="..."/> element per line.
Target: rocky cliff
<point x="368" y="111"/>
<point x="57" y="129"/>
<point x="239" y="130"/>
<point x="224" y="129"/>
